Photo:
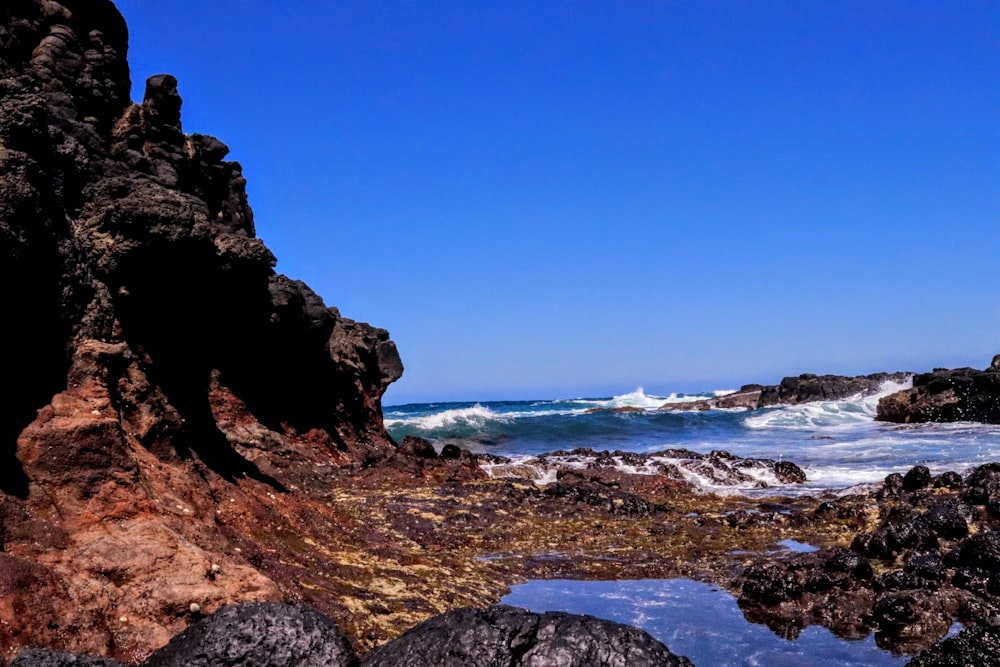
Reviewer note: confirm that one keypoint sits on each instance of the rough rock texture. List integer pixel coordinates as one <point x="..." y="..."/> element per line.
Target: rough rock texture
<point x="262" y="635"/>
<point x="978" y="645"/>
<point x="927" y="554"/>
<point x="507" y="636"/>
<point x="963" y="394"/>
<point x="161" y="370"/>
<point x="805" y="388"/>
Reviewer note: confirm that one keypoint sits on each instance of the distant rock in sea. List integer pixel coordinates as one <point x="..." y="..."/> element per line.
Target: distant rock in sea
<point x="963" y="394"/>
<point x="805" y="388"/>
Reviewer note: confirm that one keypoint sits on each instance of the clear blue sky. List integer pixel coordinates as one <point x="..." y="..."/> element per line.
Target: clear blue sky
<point x="546" y="199"/>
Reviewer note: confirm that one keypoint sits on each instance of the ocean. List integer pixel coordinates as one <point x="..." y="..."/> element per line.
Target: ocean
<point x="838" y="444"/>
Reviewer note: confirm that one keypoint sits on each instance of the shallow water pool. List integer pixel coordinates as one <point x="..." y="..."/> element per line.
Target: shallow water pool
<point x="699" y="621"/>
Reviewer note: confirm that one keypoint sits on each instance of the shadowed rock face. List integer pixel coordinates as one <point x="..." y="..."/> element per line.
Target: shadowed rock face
<point x="132" y="247"/>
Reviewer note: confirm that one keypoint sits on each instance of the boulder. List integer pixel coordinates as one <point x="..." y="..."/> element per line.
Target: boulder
<point x="513" y="637"/>
<point x="263" y="635"/>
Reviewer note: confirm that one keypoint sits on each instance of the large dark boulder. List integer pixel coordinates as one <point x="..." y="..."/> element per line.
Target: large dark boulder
<point x="262" y="635"/>
<point x="517" y="638"/>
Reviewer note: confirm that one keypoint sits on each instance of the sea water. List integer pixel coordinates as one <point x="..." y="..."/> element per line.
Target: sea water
<point x="838" y="444"/>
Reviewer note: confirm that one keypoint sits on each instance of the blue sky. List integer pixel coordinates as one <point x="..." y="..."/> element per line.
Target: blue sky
<point x="550" y="199"/>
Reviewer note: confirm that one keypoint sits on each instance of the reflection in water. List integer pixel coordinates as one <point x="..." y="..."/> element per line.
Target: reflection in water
<point x="698" y="621"/>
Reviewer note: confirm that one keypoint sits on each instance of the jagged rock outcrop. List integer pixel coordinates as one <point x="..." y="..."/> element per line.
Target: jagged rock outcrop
<point x="805" y="388"/>
<point x="159" y="366"/>
<point x="963" y="394"/>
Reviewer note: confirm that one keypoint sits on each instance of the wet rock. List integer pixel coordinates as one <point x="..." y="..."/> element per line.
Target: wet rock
<point x="980" y="551"/>
<point x="789" y="473"/>
<point x="910" y="621"/>
<point x="983" y="484"/>
<point x="769" y="584"/>
<point x="891" y="488"/>
<point x="263" y="635"/>
<point x="949" y="480"/>
<point x="978" y="645"/>
<point x="805" y="388"/>
<point x="416" y="457"/>
<point x="903" y="530"/>
<point x="897" y="580"/>
<point x="926" y="567"/>
<point x="918" y="477"/>
<point x="615" y="501"/>
<point x="963" y="394"/>
<point x="507" y="636"/>
<point x="947" y="520"/>
<point x="849" y="562"/>
<point x="748" y="519"/>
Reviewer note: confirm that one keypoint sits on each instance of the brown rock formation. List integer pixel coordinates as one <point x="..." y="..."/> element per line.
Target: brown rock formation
<point x="160" y="370"/>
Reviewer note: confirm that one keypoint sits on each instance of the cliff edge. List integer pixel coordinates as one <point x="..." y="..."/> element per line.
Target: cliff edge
<point x="163" y="374"/>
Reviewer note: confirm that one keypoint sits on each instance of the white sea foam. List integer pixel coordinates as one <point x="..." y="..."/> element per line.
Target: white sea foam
<point x="637" y="399"/>
<point x="858" y="409"/>
<point x="476" y="416"/>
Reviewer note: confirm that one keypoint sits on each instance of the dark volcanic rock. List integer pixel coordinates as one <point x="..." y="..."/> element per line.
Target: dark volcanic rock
<point x="808" y="387"/>
<point x="903" y="530"/>
<point x="805" y="388"/>
<point x="263" y="635"/>
<point x="963" y="394"/>
<point x="574" y="487"/>
<point x="517" y="638"/>
<point x="978" y="645"/>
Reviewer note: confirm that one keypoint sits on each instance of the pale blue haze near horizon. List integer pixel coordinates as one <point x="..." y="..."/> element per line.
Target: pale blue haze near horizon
<point x="555" y="199"/>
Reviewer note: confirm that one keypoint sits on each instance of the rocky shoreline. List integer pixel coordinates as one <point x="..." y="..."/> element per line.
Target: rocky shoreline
<point x="192" y="433"/>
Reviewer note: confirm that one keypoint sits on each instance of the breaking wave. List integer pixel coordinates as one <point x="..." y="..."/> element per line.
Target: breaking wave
<point x="855" y="410"/>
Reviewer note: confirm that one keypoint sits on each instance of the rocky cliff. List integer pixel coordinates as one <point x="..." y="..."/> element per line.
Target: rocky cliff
<point x="159" y="366"/>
